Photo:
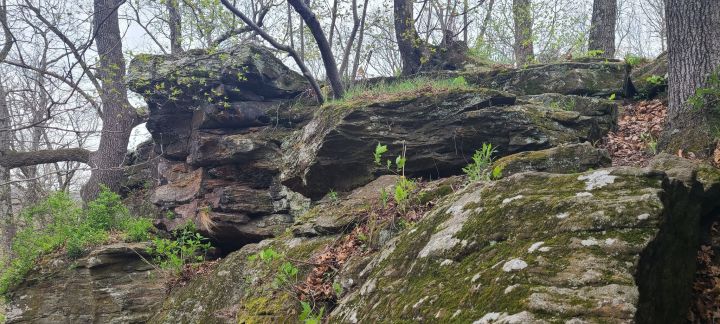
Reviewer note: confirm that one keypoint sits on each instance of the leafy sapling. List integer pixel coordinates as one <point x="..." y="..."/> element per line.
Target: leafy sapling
<point x="482" y="160"/>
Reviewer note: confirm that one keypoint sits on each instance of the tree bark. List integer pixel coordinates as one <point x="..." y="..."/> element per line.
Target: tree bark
<point x="175" y="24"/>
<point x="325" y="52"/>
<point x="412" y="48"/>
<point x="602" y="27"/>
<point x="333" y="18"/>
<point x="118" y="116"/>
<point x="522" y="17"/>
<point x="693" y="29"/>
<point x="11" y="159"/>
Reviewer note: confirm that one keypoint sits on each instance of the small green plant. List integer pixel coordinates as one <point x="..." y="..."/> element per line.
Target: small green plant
<point x="404" y="187"/>
<point x="634" y="60"/>
<point x="286" y="274"/>
<point x="497" y="172"/>
<point x="266" y="255"/>
<point x="612" y="97"/>
<point x="482" y="159"/>
<point x="708" y="96"/>
<point x="650" y="142"/>
<point x="308" y="315"/>
<point x="594" y="53"/>
<point x="337" y="288"/>
<point x="655" y="80"/>
<point x="333" y="195"/>
<point x="187" y="247"/>
<point x="136" y="229"/>
<point x="384" y="197"/>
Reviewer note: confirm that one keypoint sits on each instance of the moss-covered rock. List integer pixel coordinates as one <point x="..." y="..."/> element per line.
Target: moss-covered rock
<point x="536" y="247"/>
<point x="440" y="131"/>
<point x="570" y="158"/>
<point x="592" y="78"/>
<point x="113" y="284"/>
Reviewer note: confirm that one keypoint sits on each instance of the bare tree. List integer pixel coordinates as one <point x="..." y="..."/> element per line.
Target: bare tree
<point x="6" y="213"/>
<point x="602" y="27"/>
<point x="287" y="49"/>
<point x="325" y="51"/>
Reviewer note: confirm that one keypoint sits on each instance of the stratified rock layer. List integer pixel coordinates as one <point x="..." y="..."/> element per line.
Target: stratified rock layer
<point x="113" y="284"/>
<point x="217" y="119"/>
<point x="439" y="130"/>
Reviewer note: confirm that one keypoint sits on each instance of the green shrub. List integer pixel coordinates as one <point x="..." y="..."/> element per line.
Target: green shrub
<point x="106" y="211"/>
<point x="187" y="247"/>
<point x="136" y="229"/>
<point x="634" y="60"/>
<point x="59" y="223"/>
<point x="479" y="169"/>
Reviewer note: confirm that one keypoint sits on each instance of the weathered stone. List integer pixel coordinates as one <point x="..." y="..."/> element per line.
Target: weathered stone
<point x="113" y="284"/>
<point x="594" y="78"/>
<point x="570" y="158"/>
<point x="604" y="111"/>
<point x="650" y="79"/>
<point x="533" y="244"/>
<point x="171" y="134"/>
<point x="247" y="72"/>
<point x="441" y="132"/>
<point x="209" y="149"/>
<point x="184" y="185"/>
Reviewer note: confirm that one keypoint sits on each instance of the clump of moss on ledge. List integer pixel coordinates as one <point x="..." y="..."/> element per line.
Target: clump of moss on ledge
<point x="392" y="91"/>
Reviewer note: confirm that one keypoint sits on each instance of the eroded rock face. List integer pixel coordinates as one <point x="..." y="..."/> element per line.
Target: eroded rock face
<point x="440" y="131"/>
<point x="110" y="285"/>
<point x="612" y="245"/>
<point x="218" y="120"/>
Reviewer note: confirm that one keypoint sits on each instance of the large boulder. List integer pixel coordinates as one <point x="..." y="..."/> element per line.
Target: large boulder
<point x="217" y="118"/>
<point x="589" y="78"/>
<point x="113" y="284"/>
<point x="239" y="87"/>
<point x="440" y="130"/>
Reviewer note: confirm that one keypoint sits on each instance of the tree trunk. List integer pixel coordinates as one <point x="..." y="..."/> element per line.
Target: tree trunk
<point x="7" y="222"/>
<point x="522" y="17"/>
<point x="693" y="29"/>
<point x="412" y="48"/>
<point x="351" y="39"/>
<point x="333" y="18"/>
<point x="325" y="52"/>
<point x="118" y="115"/>
<point x="358" y="48"/>
<point x="175" y="24"/>
<point x="602" y="27"/>
<point x="486" y="21"/>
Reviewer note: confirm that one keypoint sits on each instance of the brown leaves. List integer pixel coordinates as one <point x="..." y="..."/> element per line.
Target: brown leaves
<point x="706" y="288"/>
<point x="639" y="127"/>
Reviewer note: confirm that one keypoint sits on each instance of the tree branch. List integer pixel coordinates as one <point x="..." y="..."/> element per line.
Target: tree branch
<point x="11" y="159"/>
<point x="277" y="45"/>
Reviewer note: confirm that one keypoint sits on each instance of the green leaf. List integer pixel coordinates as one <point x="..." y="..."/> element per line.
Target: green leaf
<point x="379" y="151"/>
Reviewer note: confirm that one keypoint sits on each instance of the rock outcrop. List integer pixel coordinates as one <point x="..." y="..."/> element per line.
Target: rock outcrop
<point x="113" y="284"/>
<point x="440" y="131"/>
<point x="217" y="120"/>
<point x="560" y="237"/>
<point x="612" y="245"/>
